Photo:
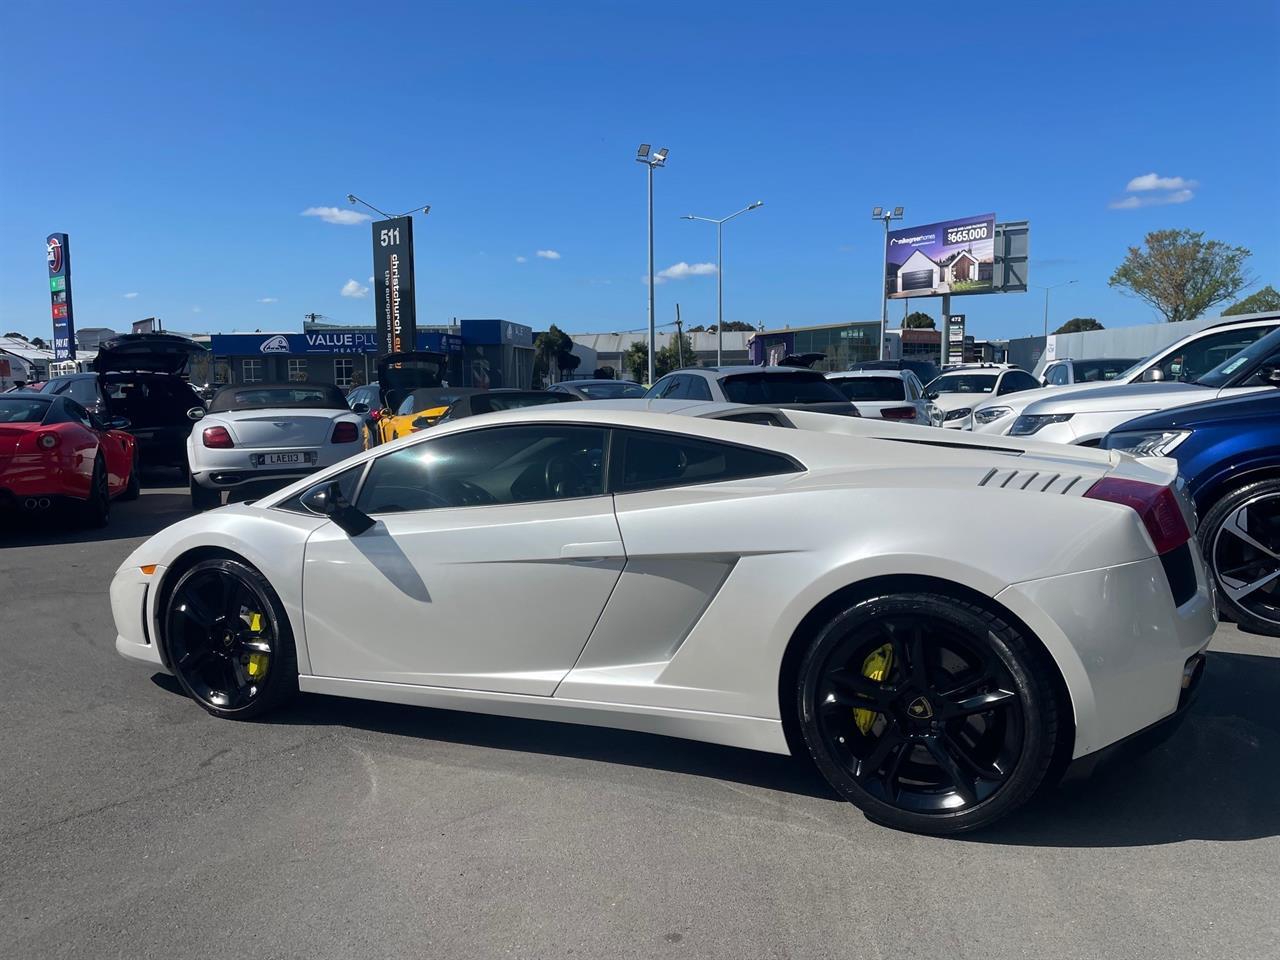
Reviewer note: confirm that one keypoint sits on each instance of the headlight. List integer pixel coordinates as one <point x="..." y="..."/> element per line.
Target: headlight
<point x="1147" y="443"/>
<point x="1028" y="424"/>
<point x="991" y="414"/>
<point x="957" y="414"/>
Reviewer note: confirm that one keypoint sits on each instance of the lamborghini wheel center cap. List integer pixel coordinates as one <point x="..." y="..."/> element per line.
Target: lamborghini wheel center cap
<point x="920" y="709"/>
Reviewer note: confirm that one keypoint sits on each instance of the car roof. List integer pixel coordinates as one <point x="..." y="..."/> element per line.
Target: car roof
<point x="599" y="380"/>
<point x="869" y="374"/>
<point x="745" y="368"/>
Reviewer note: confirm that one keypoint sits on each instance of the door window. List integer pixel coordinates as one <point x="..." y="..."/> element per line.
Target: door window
<point x="1191" y="361"/>
<point x="1057" y="376"/>
<point x="696" y="388"/>
<point x="654" y="460"/>
<point x="83" y="391"/>
<point x="1016" y="380"/>
<point x="517" y="464"/>
<point x="79" y="414"/>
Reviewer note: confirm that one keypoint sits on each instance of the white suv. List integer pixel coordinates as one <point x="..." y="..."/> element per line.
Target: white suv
<point x="1184" y="361"/>
<point x="957" y="392"/>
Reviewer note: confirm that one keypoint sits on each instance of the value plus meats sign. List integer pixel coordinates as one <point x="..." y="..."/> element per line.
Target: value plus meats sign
<point x="58" y="252"/>
<point x="393" y="285"/>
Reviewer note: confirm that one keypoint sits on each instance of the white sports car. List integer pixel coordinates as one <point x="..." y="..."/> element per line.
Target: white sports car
<point x="795" y="582"/>
<point x="260" y="436"/>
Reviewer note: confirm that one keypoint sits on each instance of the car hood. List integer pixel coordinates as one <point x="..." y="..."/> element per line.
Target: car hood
<point x="957" y="401"/>
<point x="1137" y="396"/>
<point x="1231" y="411"/>
<point x="147" y="352"/>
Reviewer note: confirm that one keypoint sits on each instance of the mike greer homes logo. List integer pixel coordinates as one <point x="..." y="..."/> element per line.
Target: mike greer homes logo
<point x="276" y="344"/>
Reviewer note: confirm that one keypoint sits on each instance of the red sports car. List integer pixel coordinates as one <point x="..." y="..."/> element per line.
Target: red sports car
<point x="54" y="453"/>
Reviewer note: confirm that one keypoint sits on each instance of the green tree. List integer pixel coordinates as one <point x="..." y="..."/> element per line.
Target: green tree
<point x="698" y="329"/>
<point x="1181" y="274"/>
<point x="550" y="350"/>
<point x="1079" y="325"/>
<point x="1264" y="301"/>
<point x="918" y="320"/>
<point x="605" y="373"/>
<point x="39" y="343"/>
<point x="637" y="361"/>
<point x="664" y="361"/>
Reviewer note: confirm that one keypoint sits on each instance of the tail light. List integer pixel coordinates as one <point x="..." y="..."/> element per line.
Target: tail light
<point x="47" y="441"/>
<point x="1156" y="505"/>
<point x="898" y="413"/>
<point x="375" y="415"/>
<point x="344" y="432"/>
<point x="218" y="438"/>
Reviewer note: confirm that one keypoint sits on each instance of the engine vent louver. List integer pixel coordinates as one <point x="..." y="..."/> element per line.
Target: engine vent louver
<point x="1037" y="481"/>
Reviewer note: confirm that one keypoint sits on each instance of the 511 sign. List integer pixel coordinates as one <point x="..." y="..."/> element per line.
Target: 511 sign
<point x="394" y="301"/>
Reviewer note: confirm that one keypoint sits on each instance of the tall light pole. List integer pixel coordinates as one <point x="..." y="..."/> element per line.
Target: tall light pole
<point x="652" y="161"/>
<point x="1064" y="283"/>
<point x="886" y="214"/>
<point x="720" y="271"/>
<point x="353" y="200"/>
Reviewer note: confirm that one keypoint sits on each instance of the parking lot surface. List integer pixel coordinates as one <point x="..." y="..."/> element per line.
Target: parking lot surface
<point x="134" y="825"/>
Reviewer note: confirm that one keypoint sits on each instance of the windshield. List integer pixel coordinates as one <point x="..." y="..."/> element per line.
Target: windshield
<point x="1235" y="369"/>
<point x="312" y="396"/>
<point x="493" y="402"/>
<point x="428" y="398"/>
<point x="617" y="390"/>
<point x="963" y="383"/>
<point x="799" y="387"/>
<point x="20" y="409"/>
<point x="871" y="388"/>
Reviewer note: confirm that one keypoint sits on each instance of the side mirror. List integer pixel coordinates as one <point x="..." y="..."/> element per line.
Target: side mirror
<point x="1154" y="375"/>
<point x="931" y="395"/>
<point x="196" y="413"/>
<point x="359" y="408"/>
<point x="326" y="500"/>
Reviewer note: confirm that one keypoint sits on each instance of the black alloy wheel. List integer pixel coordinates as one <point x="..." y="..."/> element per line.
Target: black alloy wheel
<point x="1240" y="538"/>
<point x="96" y="509"/>
<point x="228" y="640"/>
<point x="929" y="713"/>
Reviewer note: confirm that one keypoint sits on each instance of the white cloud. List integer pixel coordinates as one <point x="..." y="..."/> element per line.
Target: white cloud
<point x="681" y="270"/>
<point x="268" y="299"/>
<point x="371" y="279"/>
<point x="549" y="254"/>
<point x="337" y="215"/>
<point x="195" y="309"/>
<point x="1155" y="200"/>
<point x="131" y="296"/>
<point x="1151" y="181"/>
<point x="354" y="289"/>
<point x="522" y="259"/>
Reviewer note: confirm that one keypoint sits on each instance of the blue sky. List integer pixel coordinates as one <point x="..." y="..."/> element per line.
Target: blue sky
<point x="179" y="144"/>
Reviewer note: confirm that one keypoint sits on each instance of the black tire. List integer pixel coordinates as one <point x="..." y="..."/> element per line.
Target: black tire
<point x="211" y="638"/>
<point x="96" y="510"/>
<point x="202" y="498"/>
<point x="134" y="488"/>
<point x="1251" y="512"/>
<point x="953" y="746"/>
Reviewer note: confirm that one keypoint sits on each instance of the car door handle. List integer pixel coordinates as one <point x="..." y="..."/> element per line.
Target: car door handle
<point x="588" y="552"/>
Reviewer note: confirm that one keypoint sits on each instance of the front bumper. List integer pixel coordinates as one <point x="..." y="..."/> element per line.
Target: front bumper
<point x="133" y="602"/>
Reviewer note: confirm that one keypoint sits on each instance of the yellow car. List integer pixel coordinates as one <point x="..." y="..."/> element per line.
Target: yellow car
<point x="399" y="375"/>
<point x="422" y="408"/>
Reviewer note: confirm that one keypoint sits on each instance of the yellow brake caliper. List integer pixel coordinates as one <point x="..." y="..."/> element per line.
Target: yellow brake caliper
<point x="875" y="667"/>
<point x="257" y="666"/>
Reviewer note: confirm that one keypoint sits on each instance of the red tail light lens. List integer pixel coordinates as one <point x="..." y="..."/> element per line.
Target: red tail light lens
<point x="218" y="438"/>
<point x="1156" y="505"/>
<point x="344" y="432"/>
<point x="47" y="441"/>
<point x="898" y="413"/>
<point x="375" y="415"/>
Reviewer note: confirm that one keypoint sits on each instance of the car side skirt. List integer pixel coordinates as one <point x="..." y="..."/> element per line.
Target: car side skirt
<point x="751" y="733"/>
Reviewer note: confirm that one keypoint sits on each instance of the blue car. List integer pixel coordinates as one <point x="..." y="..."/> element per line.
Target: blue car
<point x="1228" y="452"/>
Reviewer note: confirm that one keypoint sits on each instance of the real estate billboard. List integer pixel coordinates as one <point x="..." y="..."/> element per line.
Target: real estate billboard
<point x="954" y="256"/>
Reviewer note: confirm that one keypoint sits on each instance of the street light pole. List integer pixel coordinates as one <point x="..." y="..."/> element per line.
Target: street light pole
<point x="353" y="200"/>
<point x="652" y="161"/>
<point x="886" y="214"/>
<point x="720" y="270"/>
<point x="1065" y="283"/>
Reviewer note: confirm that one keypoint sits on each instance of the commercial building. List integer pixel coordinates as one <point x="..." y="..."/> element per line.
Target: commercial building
<point x="610" y="349"/>
<point x="841" y="343"/>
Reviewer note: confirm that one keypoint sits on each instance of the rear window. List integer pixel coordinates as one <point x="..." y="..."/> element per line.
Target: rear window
<point x="20" y="409"/>
<point x="618" y="390"/>
<point x="493" y="402"/>
<point x="796" y="387"/>
<point x="964" y="383"/>
<point x="317" y="396"/>
<point x="871" y="388"/>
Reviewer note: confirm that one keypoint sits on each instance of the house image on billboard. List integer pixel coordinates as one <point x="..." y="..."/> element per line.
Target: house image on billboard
<point x="921" y="272"/>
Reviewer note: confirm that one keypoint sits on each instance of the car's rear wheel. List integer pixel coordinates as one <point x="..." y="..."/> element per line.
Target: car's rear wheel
<point x="134" y="488"/>
<point x="929" y="713"/>
<point x="96" y="509"/>
<point x="1240" y="538"/>
<point x="203" y="499"/>
<point x="228" y="640"/>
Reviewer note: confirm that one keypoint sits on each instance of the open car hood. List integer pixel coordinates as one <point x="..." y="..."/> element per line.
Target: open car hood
<point x="147" y="352"/>
<point x="399" y="374"/>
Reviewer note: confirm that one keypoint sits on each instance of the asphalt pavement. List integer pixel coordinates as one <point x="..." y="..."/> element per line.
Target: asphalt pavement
<point x="134" y="825"/>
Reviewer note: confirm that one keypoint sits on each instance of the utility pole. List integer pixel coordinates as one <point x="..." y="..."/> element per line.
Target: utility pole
<point x="679" y="337"/>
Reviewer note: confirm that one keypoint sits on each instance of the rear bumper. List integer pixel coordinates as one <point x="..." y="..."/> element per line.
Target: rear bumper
<point x="234" y="468"/>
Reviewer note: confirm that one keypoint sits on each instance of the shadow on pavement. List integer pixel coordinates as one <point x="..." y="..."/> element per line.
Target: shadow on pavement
<point x="151" y="512"/>
<point x="1217" y="778"/>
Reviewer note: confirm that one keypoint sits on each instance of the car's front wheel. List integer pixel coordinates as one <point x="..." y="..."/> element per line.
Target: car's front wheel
<point x="929" y="713"/>
<point x="1240" y="537"/>
<point x="228" y="640"/>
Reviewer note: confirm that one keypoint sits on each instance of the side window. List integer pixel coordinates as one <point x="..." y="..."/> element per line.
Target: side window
<point x="78" y="413"/>
<point x="498" y="465"/>
<point x="697" y="388"/>
<point x="84" y="391"/>
<point x="1197" y="358"/>
<point x="1058" y="375"/>
<point x="347" y="481"/>
<point x="1015" y="381"/>
<point x="661" y="388"/>
<point x="678" y="390"/>
<point x="653" y="460"/>
<point x="914" y="390"/>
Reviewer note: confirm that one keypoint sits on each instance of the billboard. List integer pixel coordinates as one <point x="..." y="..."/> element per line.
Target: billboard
<point x="394" y="304"/>
<point x="954" y="256"/>
<point x="58" y="255"/>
